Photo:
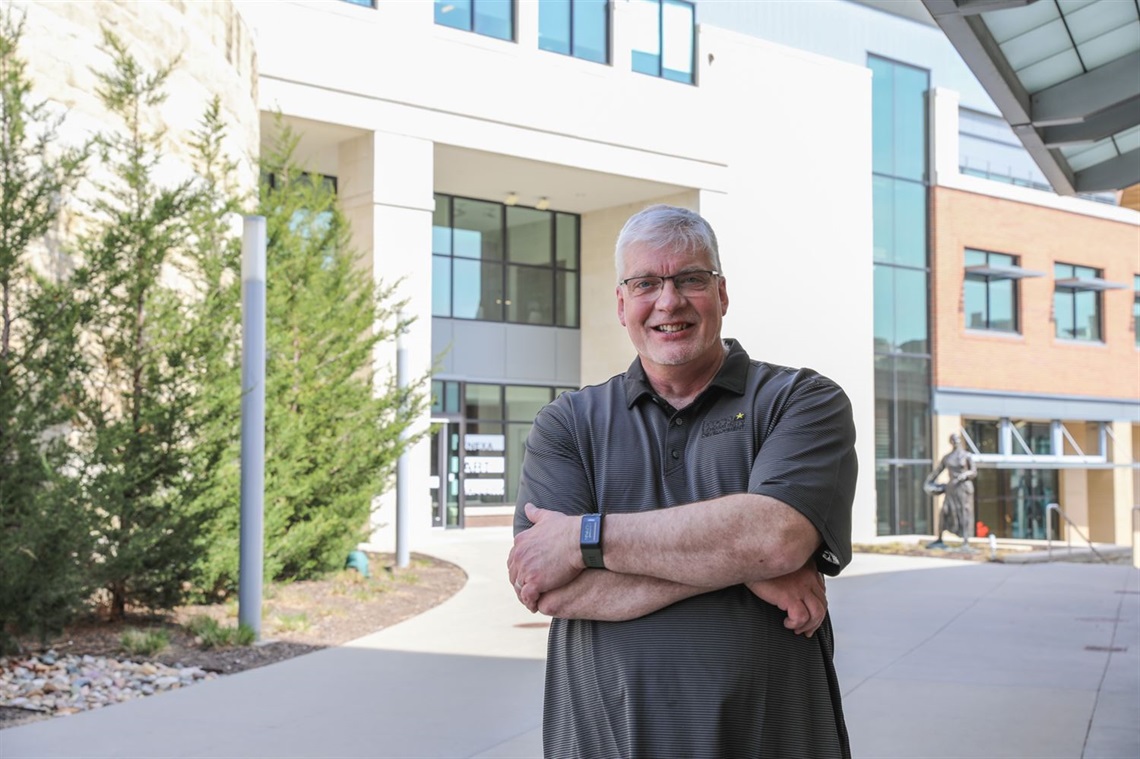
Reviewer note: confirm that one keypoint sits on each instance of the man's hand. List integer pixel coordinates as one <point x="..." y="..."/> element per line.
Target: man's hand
<point x="546" y="556"/>
<point x="801" y="594"/>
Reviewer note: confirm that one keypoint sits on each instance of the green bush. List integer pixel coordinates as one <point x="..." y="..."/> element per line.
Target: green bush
<point x="211" y="634"/>
<point x="144" y="642"/>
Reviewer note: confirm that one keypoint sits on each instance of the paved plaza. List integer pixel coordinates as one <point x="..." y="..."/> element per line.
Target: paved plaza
<point x="937" y="658"/>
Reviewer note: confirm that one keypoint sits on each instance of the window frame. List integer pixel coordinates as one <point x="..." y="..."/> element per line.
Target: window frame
<point x="607" y="45"/>
<point x="472" y="15"/>
<point x="1073" y="293"/>
<point x="987" y="280"/>
<point x="660" y="73"/>
<point x="507" y="265"/>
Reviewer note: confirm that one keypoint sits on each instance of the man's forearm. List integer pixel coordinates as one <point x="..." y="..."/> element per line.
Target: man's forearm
<point x="604" y="596"/>
<point x="736" y="539"/>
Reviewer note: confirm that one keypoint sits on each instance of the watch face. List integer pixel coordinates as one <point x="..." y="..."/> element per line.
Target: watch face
<point x="591" y="530"/>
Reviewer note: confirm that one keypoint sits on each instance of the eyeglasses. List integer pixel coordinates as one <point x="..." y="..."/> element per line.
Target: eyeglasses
<point x="687" y="283"/>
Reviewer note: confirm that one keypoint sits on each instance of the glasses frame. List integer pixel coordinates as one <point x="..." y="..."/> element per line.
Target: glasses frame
<point x="625" y="282"/>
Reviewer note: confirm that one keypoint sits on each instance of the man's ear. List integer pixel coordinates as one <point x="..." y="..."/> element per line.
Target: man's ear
<point x="723" y="287"/>
<point x="620" y="305"/>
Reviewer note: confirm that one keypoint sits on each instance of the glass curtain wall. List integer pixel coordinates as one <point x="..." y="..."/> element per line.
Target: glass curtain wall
<point x="901" y="275"/>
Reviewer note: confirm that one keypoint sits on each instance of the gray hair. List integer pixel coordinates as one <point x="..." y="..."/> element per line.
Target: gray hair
<point x="671" y="228"/>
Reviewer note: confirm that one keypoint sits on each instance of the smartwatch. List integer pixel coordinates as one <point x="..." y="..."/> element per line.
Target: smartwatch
<point x="591" y="541"/>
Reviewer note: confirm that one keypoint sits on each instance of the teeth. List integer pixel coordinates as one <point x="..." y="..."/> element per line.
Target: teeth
<point x="671" y="327"/>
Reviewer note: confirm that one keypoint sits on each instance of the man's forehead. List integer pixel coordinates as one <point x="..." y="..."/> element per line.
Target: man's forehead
<point x="648" y="259"/>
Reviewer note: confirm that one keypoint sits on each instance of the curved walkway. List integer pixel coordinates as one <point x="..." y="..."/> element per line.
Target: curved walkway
<point x="937" y="658"/>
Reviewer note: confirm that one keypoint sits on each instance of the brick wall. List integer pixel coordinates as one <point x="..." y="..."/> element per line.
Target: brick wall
<point x="1034" y="361"/>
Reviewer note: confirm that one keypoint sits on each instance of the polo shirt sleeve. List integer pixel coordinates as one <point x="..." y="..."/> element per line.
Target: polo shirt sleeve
<point x="807" y="460"/>
<point x="554" y="474"/>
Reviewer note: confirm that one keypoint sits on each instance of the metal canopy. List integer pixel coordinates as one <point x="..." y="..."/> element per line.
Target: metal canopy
<point x="1089" y="283"/>
<point x="1065" y="75"/>
<point x="1003" y="272"/>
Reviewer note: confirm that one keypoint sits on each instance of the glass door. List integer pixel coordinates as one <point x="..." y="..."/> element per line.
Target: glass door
<point x="444" y="479"/>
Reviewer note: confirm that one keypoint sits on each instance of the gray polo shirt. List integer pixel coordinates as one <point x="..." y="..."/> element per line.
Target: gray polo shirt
<point x="716" y="675"/>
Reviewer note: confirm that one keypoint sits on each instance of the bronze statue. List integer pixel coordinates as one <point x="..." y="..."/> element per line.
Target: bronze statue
<point x="957" y="515"/>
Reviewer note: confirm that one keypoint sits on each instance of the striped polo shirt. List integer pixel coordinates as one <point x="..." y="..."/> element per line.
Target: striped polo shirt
<point x="716" y="675"/>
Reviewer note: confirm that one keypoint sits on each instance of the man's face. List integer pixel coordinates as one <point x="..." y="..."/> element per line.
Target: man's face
<point x="671" y="329"/>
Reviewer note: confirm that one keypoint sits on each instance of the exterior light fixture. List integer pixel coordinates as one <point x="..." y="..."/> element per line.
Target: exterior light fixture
<point x="543" y="203"/>
<point x="512" y="198"/>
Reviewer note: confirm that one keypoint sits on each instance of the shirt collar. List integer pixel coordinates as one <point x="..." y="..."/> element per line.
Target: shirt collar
<point x="733" y="375"/>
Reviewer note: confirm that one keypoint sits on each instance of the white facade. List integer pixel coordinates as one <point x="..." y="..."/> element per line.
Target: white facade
<point x="766" y="143"/>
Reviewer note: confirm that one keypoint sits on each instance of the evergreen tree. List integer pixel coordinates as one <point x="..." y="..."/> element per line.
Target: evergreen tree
<point x="217" y="337"/>
<point x="137" y="417"/>
<point x="44" y="543"/>
<point x="332" y="436"/>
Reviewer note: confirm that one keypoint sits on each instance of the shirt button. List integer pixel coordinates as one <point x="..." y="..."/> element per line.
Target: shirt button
<point x="676" y="455"/>
<point x="680" y="422"/>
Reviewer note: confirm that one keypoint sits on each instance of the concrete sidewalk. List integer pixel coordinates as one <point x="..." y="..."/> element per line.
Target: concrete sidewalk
<point x="937" y="658"/>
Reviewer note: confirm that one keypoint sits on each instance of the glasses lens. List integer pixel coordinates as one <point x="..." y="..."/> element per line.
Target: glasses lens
<point x="692" y="282"/>
<point x="644" y="285"/>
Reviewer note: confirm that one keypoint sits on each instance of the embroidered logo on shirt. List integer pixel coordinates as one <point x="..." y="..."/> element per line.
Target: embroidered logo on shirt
<point x="726" y="424"/>
<point x="829" y="556"/>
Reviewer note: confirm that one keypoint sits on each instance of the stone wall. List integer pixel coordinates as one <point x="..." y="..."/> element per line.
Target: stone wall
<point x="208" y="43"/>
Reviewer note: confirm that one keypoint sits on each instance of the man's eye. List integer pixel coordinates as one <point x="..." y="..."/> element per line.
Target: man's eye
<point x="643" y="284"/>
<point x="690" y="280"/>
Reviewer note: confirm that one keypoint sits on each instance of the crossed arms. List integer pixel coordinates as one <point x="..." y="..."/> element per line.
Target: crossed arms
<point x="656" y="558"/>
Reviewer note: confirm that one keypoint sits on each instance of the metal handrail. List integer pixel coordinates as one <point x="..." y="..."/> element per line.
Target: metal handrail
<point x="1068" y="540"/>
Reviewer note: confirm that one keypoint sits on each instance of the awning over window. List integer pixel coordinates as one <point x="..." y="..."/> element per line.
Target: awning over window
<point x="1089" y="283"/>
<point x="1003" y="272"/>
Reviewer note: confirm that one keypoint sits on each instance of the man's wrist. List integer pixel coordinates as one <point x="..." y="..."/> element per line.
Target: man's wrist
<point x="590" y="541"/>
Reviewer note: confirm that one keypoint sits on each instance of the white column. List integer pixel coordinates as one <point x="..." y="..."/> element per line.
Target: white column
<point x="386" y="190"/>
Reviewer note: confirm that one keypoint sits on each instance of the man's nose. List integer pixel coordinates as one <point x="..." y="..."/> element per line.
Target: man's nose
<point x="670" y="296"/>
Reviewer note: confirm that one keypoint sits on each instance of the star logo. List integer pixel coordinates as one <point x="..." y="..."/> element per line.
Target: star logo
<point x="740" y="415"/>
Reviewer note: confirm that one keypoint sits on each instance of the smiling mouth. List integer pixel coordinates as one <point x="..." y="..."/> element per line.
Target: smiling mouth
<point x="670" y="329"/>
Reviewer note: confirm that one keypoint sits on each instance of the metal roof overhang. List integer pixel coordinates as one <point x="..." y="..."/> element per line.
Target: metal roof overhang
<point x="1065" y="74"/>
<point x="1003" y="272"/>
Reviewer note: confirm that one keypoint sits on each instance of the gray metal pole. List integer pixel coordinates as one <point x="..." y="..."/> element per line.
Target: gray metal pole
<point x="252" y="422"/>
<point x="403" y="464"/>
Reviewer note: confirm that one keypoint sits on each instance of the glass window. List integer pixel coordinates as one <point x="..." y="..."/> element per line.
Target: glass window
<point x="477" y="291"/>
<point x="1076" y="312"/>
<point x="899" y="219"/>
<point x="575" y="27"/>
<point x="524" y="403"/>
<point x="538" y="285"/>
<point x="477" y="229"/>
<point x="663" y="38"/>
<point x="986" y="434"/>
<point x="566" y="298"/>
<point x="453" y="13"/>
<point x="903" y="507"/>
<point x="444" y="397"/>
<point x="898" y="115"/>
<point x="494" y="18"/>
<point x="440" y="286"/>
<point x="900" y="310"/>
<point x="566" y="241"/>
<point x="1038" y="437"/>
<point x="530" y="295"/>
<point x="529" y="235"/>
<point x="990" y="302"/>
<point x="483" y="402"/>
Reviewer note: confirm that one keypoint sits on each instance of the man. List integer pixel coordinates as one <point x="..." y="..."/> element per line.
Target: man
<point x="703" y="490"/>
